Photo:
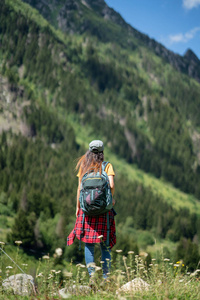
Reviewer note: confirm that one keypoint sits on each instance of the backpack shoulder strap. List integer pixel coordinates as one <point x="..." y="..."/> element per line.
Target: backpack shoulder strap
<point x="108" y="230"/>
<point x="82" y="231"/>
<point x="104" y="164"/>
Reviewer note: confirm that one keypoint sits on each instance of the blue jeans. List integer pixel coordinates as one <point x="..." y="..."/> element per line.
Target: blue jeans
<point x="105" y="257"/>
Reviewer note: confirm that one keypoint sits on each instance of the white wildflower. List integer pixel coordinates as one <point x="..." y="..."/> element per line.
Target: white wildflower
<point x="2" y="243"/>
<point x="145" y="254"/>
<point x="91" y="265"/>
<point x="145" y="271"/>
<point x="9" y="267"/>
<point x="67" y="274"/>
<point x="130" y="252"/>
<point x="195" y="273"/>
<point x="118" y="251"/>
<point x="81" y="265"/>
<point x="59" y="252"/>
<point x="100" y="236"/>
<point x="18" y="242"/>
<point x="45" y="257"/>
<point x="166" y="259"/>
<point x="176" y="265"/>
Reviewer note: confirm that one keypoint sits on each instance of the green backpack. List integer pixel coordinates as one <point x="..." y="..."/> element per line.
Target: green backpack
<point x="95" y="195"/>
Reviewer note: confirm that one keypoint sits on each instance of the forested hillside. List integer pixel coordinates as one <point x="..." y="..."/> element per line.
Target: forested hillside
<point x="144" y="110"/>
<point x="97" y="19"/>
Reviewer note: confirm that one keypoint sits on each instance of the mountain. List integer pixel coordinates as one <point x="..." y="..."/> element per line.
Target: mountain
<point x="58" y="92"/>
<point x="98" y="19"/>
<point x="173" y="92"/>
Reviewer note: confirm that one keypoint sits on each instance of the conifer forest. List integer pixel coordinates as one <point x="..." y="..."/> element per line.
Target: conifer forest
<point x="63" y="84"/>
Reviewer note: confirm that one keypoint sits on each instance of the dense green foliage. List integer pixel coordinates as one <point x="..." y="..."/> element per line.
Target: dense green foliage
<point x="143" y="109"/>
<point x="166" y="151"/>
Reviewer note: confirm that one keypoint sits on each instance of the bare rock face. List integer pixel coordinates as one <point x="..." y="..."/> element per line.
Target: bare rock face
<point x="19" y="284"/>
<point x="12" y="103"/>
<point x="135" y="285"/>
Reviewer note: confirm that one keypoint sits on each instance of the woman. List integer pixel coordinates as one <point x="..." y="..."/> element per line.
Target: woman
<point x="94" y="229"/>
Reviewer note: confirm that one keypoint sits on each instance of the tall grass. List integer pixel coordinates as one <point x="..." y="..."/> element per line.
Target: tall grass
<point x="164" y="279"/>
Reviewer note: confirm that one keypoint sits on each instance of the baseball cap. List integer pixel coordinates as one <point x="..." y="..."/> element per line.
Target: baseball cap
<point x="96" y="146"/>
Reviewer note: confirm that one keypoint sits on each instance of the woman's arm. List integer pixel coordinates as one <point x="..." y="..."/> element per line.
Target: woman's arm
<point x="77" y="197"/>
<point x="112" y="186"/>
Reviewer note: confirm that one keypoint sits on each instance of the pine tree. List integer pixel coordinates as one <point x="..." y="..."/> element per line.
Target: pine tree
<point x="23" y="229"/>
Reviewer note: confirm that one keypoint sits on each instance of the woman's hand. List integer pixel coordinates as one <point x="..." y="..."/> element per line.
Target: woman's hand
<point x="77" y="211"/>
<point x="113" y="201"/>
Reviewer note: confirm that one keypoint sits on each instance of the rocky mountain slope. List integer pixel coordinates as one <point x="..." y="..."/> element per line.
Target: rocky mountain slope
<point x="74" y="16"/>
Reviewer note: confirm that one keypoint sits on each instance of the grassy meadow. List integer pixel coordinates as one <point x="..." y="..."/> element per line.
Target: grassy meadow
<point x="164" y="279"/>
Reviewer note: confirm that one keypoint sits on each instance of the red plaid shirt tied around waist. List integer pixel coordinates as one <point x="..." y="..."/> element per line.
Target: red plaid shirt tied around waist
<point x="92" y="228"/>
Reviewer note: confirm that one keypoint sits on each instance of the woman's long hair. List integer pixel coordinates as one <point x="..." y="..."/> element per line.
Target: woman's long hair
<point x="90" y="162"/>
